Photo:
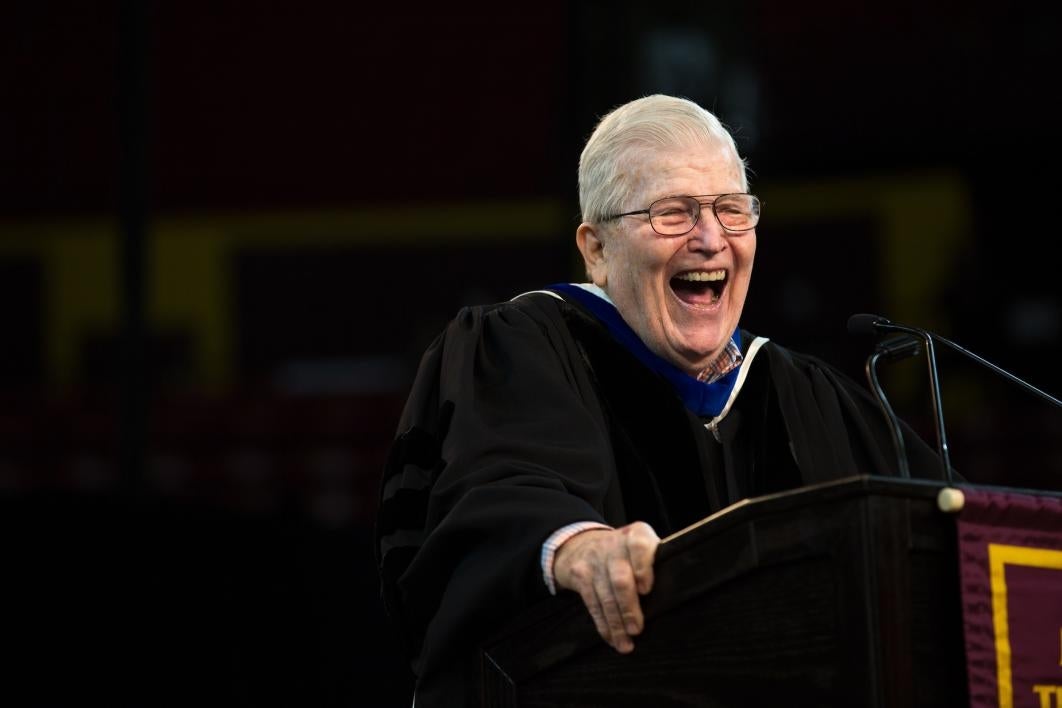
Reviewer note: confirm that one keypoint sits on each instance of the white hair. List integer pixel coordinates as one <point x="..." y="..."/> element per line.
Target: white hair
<point x="650" y="123"/>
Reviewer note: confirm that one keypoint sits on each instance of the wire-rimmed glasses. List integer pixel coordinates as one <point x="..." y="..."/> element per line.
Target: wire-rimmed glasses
<point x="675" y="216"/>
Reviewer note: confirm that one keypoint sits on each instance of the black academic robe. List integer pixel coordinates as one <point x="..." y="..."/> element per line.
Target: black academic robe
<point x="526" y="416"/>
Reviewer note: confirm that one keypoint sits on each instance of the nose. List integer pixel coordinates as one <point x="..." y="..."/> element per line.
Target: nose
<point x="708" y="235"/>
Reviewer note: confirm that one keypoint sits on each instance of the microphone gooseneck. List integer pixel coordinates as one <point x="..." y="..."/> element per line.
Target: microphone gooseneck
<point x="1002" y="372"/>
<point x="870" y="324"/>
<point x="891" y="349"/>
<point x="890" y="416"/>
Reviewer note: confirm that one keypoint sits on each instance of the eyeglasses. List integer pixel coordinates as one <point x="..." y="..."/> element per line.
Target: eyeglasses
<point x="675" y="216"/>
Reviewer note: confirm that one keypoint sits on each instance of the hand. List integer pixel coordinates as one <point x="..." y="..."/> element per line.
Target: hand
<point x="610" y="568"/>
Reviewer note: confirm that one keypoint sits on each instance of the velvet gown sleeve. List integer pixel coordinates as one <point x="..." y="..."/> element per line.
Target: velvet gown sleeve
<point x="502" y="442"/>
<point x="835" y="427"/>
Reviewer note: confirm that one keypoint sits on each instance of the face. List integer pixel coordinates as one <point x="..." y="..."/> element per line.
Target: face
<point x="682" y="295"/>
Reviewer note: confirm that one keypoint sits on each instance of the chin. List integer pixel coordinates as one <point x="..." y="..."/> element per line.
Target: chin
<point x="702" y="348"/>
<point x="693" y="358"/>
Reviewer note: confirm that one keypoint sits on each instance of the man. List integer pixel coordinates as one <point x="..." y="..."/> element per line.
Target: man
<point x="548" y="442"/>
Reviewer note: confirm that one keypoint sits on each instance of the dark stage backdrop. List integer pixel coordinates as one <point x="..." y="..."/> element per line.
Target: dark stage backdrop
<point x="227" y="232"/>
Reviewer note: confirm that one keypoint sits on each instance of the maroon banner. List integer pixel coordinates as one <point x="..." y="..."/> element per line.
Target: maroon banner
<point x="1010" y="563"/>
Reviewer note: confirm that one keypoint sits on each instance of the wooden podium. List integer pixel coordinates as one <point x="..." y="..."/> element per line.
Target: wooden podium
<point x="841" y="594"/>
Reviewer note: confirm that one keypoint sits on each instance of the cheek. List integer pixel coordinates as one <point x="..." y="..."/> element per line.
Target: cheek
<point x="644" y="280"/>
<point x="750" y="252"/>
<point x="744" y="258"/>
<point x="648" y="261"/>
<point x="626" y="267"/>
<point x="635" y="269"/>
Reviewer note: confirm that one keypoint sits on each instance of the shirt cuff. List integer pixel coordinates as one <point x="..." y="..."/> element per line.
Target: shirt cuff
<point x="556" y="539"/>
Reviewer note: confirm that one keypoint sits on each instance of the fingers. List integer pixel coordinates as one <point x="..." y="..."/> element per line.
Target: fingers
<point x="610" y="569"/>
<point x="642" y="542"/>
<point x="625" y="595"/>
<point x="582" y="565"/>
<point x="601" y="600"/>
<point x="614" y="610"/>
<point x="597" y="613"/>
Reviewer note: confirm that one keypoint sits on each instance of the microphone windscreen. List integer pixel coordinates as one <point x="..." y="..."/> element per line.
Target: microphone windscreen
<point x="863" y="323"/>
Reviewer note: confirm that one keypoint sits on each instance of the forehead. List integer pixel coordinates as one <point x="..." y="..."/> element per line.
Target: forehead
<point x="701" y="168"/>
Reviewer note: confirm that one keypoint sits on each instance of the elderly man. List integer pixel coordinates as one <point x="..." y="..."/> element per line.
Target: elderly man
<point x="549" y="441"/>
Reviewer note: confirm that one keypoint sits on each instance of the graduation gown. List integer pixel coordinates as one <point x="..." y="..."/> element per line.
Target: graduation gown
<point x="528" y="415"/>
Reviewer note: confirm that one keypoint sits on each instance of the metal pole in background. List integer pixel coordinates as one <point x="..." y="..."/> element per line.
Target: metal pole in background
<point x="133" y="220"/>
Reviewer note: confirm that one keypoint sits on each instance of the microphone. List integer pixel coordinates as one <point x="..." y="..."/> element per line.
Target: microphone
<point x="870" y="324"/>
<point x="873" y="324"/>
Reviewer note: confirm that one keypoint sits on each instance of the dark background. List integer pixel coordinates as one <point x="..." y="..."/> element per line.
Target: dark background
<point x="227" y="231"/>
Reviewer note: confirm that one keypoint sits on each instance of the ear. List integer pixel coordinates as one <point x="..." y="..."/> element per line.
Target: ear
<point x="588" y="238"/>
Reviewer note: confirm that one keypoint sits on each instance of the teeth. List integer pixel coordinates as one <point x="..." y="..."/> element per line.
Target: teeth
<point x="701" y="276"/>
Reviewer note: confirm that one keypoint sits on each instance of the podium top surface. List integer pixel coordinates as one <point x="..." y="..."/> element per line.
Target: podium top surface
<point x="856" y="485"/>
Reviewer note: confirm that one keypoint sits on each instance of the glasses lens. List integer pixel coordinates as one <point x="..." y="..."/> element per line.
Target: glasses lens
<point x="738" y="212"/>
<point x="675" y="215"/>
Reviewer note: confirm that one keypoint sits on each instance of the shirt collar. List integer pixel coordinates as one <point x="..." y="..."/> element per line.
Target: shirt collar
<point x="730" y="359"/>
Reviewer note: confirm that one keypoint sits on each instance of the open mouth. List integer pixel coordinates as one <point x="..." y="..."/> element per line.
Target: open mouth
<point x="699" y="287"/>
